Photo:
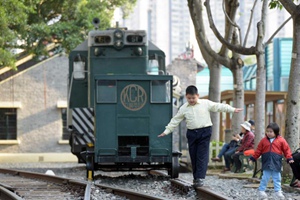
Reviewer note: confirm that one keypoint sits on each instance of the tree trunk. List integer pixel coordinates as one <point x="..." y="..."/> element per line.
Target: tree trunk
<point x="260" y="96"/>
<point x="238" y="86"/>
<point x="293" y="97"/>
<point x="238" y="94"/>
<point x="214" y="95"/>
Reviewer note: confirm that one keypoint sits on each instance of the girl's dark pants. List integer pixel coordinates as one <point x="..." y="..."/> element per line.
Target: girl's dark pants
<point x="198" y="140"/>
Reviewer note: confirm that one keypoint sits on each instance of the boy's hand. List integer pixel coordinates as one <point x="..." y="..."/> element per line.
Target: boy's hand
<point x="238" y="110"/>
<point x="162" y="135"/>
<point x="291" y="161"/>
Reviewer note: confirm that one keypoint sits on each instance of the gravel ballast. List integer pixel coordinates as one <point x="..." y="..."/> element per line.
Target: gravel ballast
<point x="154" y="185"/>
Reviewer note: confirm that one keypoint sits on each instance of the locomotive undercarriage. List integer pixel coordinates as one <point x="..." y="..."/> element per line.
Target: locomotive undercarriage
<point x="133" y="154"/>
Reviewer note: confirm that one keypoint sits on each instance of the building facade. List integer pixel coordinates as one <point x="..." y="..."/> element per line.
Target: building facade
<point x="33" y="110"/>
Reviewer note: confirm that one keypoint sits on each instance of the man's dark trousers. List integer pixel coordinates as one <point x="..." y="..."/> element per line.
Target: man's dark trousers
<point x="198" y="140"/>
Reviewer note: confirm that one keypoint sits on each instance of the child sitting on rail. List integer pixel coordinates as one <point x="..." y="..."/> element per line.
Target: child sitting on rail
<point x="196" y="112"/>
<point x="270" y="148"/>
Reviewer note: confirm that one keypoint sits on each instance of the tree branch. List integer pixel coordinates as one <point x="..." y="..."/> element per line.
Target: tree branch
<point x="250" y="22"/>
<point x="230" y="21"/>
<point x="197" y="18"/>
<point x="238" y="49"/>
<point x="290" y="6"/>
<point x="279" y="28"/>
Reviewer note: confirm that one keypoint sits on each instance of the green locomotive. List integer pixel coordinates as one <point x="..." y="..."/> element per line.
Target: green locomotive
<point x="119" y="100"/>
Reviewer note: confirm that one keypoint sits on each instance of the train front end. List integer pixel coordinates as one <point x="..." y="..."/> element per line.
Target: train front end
<point x="131" y="106"/>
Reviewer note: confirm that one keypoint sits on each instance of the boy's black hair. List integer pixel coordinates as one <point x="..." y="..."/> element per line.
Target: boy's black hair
<point x="191" y="90"/>
<point x="274" y="127"/>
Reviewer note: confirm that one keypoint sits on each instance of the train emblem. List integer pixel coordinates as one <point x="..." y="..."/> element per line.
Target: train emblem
<point x="133" y="97"/>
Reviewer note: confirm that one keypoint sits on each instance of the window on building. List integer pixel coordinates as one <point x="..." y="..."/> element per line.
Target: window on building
<point x="8" y="123"/>
<point x="270" y="85"/>
<point x="65" y="132"/>
<point x="284" y="83"/>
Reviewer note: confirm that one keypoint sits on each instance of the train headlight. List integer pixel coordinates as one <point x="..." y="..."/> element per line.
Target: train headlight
<point x="138" y="51"/>
<point x="118" y="34"/>
<point x="119" y="44"/>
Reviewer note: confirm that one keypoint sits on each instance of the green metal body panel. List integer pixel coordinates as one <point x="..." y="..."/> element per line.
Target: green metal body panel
<point x="113" y="61"/>
<point x="132" y="114"/>
<point x="78" y="88"/>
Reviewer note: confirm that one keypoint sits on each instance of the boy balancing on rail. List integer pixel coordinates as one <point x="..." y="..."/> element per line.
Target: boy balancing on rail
<point x="196" y="112"/>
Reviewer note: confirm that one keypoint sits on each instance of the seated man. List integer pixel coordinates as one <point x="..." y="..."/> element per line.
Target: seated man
<point x="227" y="150"/>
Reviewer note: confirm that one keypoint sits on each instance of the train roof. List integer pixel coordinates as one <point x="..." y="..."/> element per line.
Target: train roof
<point x="151" y="47"/>
<point x="82" y="47"/>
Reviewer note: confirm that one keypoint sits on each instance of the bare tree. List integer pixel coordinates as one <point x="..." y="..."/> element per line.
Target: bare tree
<point x="293" y="97"/>
<point x="214" y="60"/>
<point x="235" y="63"/>
<point x="257" y="50"/>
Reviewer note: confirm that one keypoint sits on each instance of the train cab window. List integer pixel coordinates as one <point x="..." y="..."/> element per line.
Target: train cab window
<point x="106" y="91"/>
<point x="160" y="91"/>
<point x="8" y="123"/>
<point x="79" y="67"/>
<point x="153" y="67"/>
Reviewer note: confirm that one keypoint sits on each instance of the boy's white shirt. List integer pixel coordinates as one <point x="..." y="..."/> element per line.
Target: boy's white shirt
<point x="198" y="115"/>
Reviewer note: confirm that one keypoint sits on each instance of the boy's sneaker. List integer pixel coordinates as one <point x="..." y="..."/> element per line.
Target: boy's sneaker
<point x="279" y="195"/>
<point x="262" y="195"/>
<point x="198" y="182"/>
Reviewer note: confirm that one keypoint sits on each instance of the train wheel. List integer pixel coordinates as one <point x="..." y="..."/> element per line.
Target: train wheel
<point x="174" y="171"/>
<point x="90" y="167"/>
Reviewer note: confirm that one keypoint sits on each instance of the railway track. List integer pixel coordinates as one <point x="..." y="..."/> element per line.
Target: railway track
<point x="27" y="185"/>
<point x="16" y="184"/>
<point x="204" y="192"/>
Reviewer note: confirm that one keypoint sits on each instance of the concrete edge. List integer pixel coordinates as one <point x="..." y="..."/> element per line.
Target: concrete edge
<point x="37" y="157"/>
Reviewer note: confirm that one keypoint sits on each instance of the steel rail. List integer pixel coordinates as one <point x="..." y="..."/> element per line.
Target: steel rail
<point x="8" y="195"/>
<point x="207" y="193"/>
<point x="202" y="192"/>
<point x="87" y="192"/>
<point x="60" y="180"/>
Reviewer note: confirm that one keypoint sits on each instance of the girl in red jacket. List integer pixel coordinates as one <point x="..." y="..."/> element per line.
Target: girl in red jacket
<point x="271" y="148"/>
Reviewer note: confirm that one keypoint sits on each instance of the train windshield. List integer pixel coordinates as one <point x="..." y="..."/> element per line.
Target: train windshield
<point x="160" y="91"/>
<point x="106" y="91"/>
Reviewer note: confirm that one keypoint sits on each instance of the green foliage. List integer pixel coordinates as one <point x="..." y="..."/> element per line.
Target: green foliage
<point x="214" y="143"/>
<point x="32" y="24"/>
<point x="275" y="4"/>
<point x="13" y="15"/>
<point x="250" y="60"/>
<point x="286" y="179"/>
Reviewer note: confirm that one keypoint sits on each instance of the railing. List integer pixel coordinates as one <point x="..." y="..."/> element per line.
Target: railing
<point x="216" y="148"/>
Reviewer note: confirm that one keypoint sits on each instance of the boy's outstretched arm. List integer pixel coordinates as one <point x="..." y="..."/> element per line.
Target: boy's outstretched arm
<point x="162" y="135"/>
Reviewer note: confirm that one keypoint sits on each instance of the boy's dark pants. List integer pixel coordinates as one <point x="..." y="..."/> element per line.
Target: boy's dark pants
<point x="198" y="140"/>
